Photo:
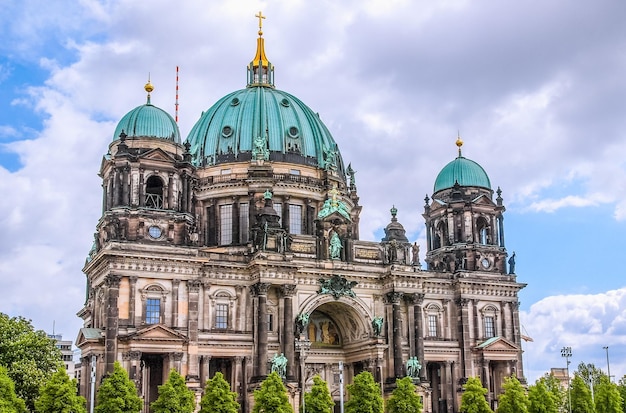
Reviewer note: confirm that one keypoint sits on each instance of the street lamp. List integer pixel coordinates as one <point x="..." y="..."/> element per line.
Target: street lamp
<point x="567" y="353"/>
<point x="303" y="346"/>
<point x="608" y="366"/>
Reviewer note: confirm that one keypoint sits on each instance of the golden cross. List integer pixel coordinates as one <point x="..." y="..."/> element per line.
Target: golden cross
<point x="333" y="193"/>
<point x="260" y="17"/>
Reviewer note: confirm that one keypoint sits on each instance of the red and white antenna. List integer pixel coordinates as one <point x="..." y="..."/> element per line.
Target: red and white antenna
<point x="176" y="104"/>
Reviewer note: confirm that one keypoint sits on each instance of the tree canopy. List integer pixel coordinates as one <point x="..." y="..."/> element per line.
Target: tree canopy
<point x="9" y="402"/>
<point x="58" y="395"/>
<point x="117" y="393"/>
<point x="218" y="398"/>
<point x="404" y="399"/>
<point x="29" y="356"/>
<point x="514" y="399"/>
<point x="473" y="398"/>
<point x="365" y="395"/>
<point x="318" y="400"/>
<point x="272" y="396"/>
<point x="580" y="396"/>
<point x="541" y="399"/>
<point x="174" y="396"/>
<point x="607" y="396"/>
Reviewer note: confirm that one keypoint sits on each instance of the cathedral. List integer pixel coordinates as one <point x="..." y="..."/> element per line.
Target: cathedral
<point x="237" y="250"/>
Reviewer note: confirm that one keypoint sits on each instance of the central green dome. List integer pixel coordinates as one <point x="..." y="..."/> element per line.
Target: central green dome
<point x="292" y="131"/>
<point x="261" y="122"/>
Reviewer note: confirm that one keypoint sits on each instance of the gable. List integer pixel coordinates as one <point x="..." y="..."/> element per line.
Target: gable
<point x="88" y="335"/>
<point x="156" y="154"/>
<point x="156" y="332"/>
<point x="497" y="347"/>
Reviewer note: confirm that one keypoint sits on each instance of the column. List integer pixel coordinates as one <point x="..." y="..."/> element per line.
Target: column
<point x="142" y="197"/>
<point x="237" y="374"/>
<point x="175" y="286"/>
<point x="464" y="339"/>
<point x="241" y="308"/>
<point x="260" y="361"/>
<point x="185" y="183"/>
<point x="131" y="303"/>
<point x="449" y="386"/>
<point x="193" y="287"/>
<point x="398" y="365"/>
<point x="418" y="300"/>
<point x="112" y="320"/>
<point x="475" y="317"/>
<point x="288" y="329"/>
<point x="125" y="186"/>
<point x="206" y="306"/>
<point x="169" y="204"/>
<point x="235" y="221"/>
<point x="517" y="337"/>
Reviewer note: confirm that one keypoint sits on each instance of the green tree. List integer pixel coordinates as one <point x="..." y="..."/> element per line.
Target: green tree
<point x="404" y="399"/>
<point x="272" y="396"/>
<point x="555" y="387"/>
<point x="9" y="402"/>
<point x="58" y="395"/>
<point x="117" y="393"/>
<point x="318" y="400"/>
<point x="174" y="396"/>
<point x="514" y="399"/>
<point x="541" y="399"/>
<point x="607" y="396"/>
<point x="217" y="396"/>
<point x="29" y="356"/>
<point x="581" y="396"/>
<point x="621" y="386"/>
<point x="473" y="399"/>
<point x="364" y="395"/>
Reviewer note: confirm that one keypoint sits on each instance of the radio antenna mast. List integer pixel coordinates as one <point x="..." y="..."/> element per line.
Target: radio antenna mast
<point x="176" y="103"/>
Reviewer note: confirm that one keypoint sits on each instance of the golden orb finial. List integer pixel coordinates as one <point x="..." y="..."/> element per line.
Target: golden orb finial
<point x="459" y="143"/>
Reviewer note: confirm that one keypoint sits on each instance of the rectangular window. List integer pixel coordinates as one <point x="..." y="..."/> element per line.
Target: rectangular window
<point x="490" y="330"/>
<point x="278" y="207"/>
<point x="226" y="224"/>
<point x="221" y="316"/>
<point x="153" y="311"/>
<point x="295" y="219"/>
<point x="294" y="171"/>
<point x="432" y="325"/>
<point x="270" y="322"/>
<point x="244" y="209"/>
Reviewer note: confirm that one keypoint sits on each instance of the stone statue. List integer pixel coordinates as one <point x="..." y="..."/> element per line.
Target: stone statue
<point x="351" y="172"/>
<point x="512" y="264"/>
<point x="335" y="247"/>
<point x="415" y="250"/>
<point x="377" y="325"/>
<point x="413" y="367"/>
<point x="259" y="150"/>
<point x="279" y="364"/>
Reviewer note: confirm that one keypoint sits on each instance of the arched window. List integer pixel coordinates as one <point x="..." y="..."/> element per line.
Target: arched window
<point x="433" y="321"/>
<point x="441" y="237"/>
<point x="154" y="192"/>
<point x="483" y="231"/>
<point x="490" y="316"/>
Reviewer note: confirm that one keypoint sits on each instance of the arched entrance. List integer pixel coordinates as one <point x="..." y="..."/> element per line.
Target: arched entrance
<point x="342" y="343"/>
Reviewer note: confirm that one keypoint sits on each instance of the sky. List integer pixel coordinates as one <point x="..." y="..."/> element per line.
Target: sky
<point x="535" y="89"/>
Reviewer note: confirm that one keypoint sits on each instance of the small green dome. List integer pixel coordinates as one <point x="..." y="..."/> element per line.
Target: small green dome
<point x="464" y="171"/>
<point x="288" y="129"/>
<point x="148" y="121"/>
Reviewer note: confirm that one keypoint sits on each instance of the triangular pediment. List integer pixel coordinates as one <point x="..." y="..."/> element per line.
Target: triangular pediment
<point x="333" y="216"/>
<point x="498" y="345"/>
<point x="88" y="335"/>
<point x="482" y="200"/>
<point x="156" y="332"/>
<point x="156" y="154"/>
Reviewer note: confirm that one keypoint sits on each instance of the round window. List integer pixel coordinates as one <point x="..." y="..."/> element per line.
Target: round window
<point x="154" y="232"/>
<point x="284" y="102"/>
<point x="234" y="102"/>
<point x="293" y="132"/>
<point x="227" y="131"/>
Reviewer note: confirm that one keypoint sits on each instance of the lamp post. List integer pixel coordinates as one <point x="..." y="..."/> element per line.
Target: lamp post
<point x="567" y="353"/>
<point x="303" y="346"/>
<point x="608" y="366"/>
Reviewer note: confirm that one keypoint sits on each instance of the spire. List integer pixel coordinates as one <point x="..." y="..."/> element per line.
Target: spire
<point x="459" y="143"/>
<point x="148" y="88"/>
<point x="260" y="70"/>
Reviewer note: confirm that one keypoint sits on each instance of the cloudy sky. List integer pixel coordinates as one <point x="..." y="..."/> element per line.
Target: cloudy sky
<point x="535" y="89"/>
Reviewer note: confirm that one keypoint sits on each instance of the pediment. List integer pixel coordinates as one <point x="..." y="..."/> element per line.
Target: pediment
<point x="88" y="335"/>
<point x="483" y="200"/>
<point x="156" y="332"/>
<point x="156" y="154"/>
<point x="498" y="345"/>
<point x="334" y="216"/>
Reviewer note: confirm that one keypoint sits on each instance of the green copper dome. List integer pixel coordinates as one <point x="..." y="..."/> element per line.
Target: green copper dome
<point x="289" y="130"/>
<point x="148" y="121"/>
<point x="262" y="123"/>
<point x="464" y="171"/>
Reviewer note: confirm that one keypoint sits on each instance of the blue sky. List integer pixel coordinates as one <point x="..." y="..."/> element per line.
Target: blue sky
<point x="535" y="89"/>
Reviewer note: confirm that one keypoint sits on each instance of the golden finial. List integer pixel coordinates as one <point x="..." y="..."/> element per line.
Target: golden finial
<point x="260" y="17"/>
<point x="148" y="88"/>
<point x="459" y="143"/>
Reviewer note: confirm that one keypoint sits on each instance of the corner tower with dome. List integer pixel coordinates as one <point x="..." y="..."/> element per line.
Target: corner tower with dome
<point x="241" y="243"/>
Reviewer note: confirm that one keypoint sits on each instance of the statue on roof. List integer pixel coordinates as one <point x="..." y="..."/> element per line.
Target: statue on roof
<point x="259" y="149"/>
<point x="351" y="172"/>
<point x="335" y="247"/>
<point x="330" y="158"/>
